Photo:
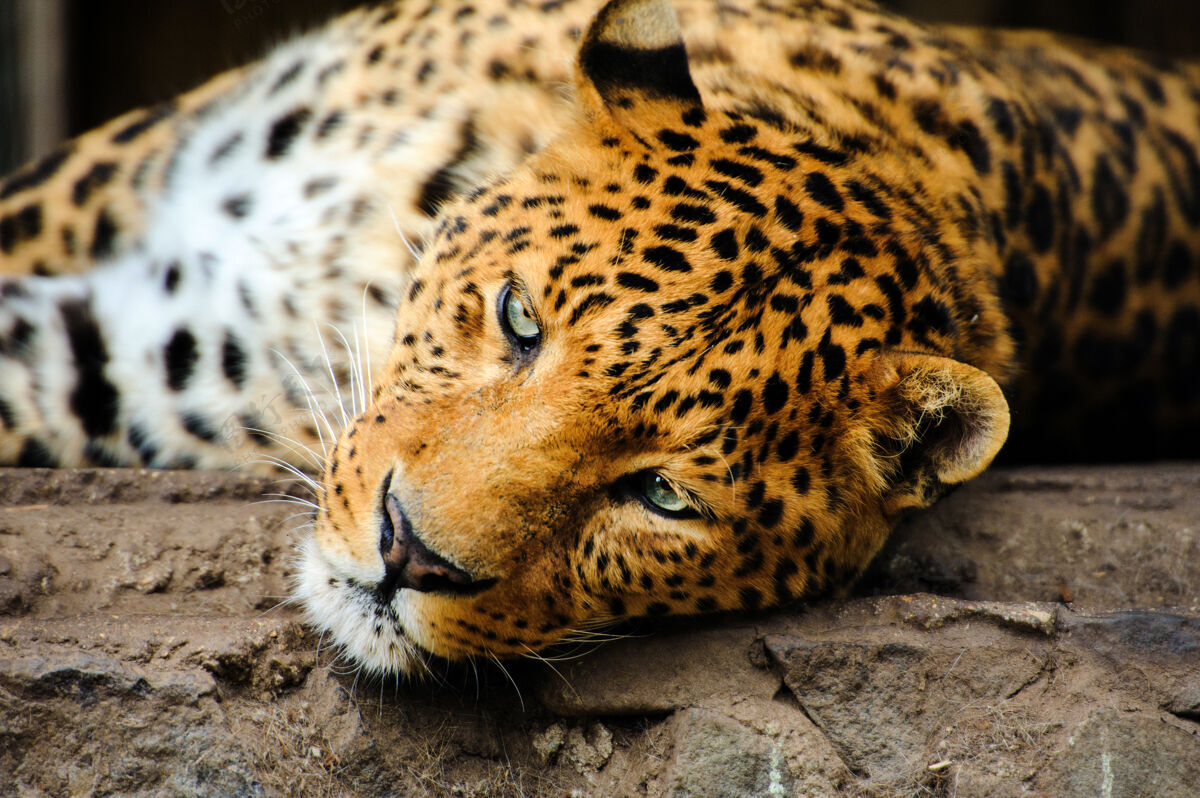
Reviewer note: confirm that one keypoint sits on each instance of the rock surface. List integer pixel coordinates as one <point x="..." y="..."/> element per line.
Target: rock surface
<point x="1038" y="633"/>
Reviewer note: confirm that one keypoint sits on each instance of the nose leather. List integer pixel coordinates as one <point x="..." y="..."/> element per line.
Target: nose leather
<point x="408" y="562"/>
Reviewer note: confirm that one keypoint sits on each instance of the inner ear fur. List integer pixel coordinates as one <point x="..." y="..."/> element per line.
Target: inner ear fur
<point x="633" y="52"/>
<point x="941" y="422"/>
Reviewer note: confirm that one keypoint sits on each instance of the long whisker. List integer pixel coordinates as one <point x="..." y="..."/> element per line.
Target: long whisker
<point x="304" y="478"/>
<point x="408" y="244"/>
<point x="357" y="400"/>
<point x="318" y="413"/>
<point x="337" y="388"/>
<point x="291" y="444"/>
<point x="367" y="347"/>
<point x="508" y="675"/>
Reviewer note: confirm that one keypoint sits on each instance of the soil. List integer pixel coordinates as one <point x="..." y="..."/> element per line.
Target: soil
<point x="1037" y="633"/>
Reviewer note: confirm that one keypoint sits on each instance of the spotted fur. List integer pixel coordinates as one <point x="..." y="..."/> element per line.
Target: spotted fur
<point x="800" y="266"/>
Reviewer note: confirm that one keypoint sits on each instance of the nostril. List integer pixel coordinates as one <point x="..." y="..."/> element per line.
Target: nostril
<point x="409" y="563"/>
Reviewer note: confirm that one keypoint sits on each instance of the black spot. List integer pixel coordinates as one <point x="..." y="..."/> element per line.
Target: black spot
<point x="738" y="134"/>
<point x="171" y="278"/>
<point x="590" y="302"/>
<point x="833" y="356"/>
<point x="742" y="403"/>
<point x="720" y="378"/>
<point x="225" y="148"/>
<point x="784" y="163"/>
<point x="738" y="171"/>
<point x="604" y="212"/>
<point x="284" y="131"/>
<point x="180" y="355"/>
<point x="140" y="441"/>
<point x="1110" y="203"/>
<point x="725" y="244"/>
<point x="692" y="214"/>
<point x="770" y="513"/>
<point x="775" y="394"/>
<point x="24" y="225"/>
<point x="931" y="315"/>
<point x="667" y="259"/>
<point x="789" y="215"/>
<point x="823" y="154"/>
<point x="94" y="399"/>
<point x="636" y="282"/>
<point x="1002" y="118"/>
<point x="804" y="373"/>
<point x="842" y="312"/>
<point x="644" y="174"/>
<point x="679" y="142"/>
<point x="967" y="138"/>
<point x="39" y="173"/>
<point x="673" y="232"/>
<point x="331" y="122"/>
<point x="147" y="120"/>
<point x="788" y="446"/>
<point x="96" y="177"/>
<point x="103" y="236"/>
<point x="237" y="207"/>
<point x="823" y="191"/>
<point x="742" y="200"/>
<point x="288" y="76"/>
<point x="1039" y="219"/>
<point x="196" y="425"/>
<point x="233" y="359"/>
<point x="801" y="481"/>
<point x="721" y="281"/>
<point x="676" y="186"/>
<point x="34" y="454"/>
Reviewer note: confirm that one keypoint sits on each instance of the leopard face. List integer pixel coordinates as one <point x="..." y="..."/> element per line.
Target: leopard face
<point x="657" y="370"/>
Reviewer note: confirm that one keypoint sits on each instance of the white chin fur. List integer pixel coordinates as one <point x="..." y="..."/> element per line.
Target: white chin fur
<point x="370" y="635"/>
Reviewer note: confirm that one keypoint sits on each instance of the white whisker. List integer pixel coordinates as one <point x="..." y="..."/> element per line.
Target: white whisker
<point x="367" y="348"/>
<point x="408" y="244"/>
<point x="337" y="388"/>
<point x="313" y="406"/>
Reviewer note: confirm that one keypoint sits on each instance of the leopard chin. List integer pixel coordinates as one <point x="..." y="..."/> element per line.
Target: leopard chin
<point x="380" y="635"/>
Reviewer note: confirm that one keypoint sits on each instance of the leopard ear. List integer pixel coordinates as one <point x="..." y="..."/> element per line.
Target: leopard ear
<point x="942" y="422"/>
<point x="633" y="52"/>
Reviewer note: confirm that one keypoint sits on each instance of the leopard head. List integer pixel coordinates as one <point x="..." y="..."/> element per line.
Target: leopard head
<point x="640" y="376"/>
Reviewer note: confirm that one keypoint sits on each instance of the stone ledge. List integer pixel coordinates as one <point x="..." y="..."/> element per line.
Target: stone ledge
<point x="1062" y="657"/>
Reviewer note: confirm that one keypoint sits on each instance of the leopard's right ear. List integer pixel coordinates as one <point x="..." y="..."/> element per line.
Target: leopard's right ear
<point x="633" y="53"/>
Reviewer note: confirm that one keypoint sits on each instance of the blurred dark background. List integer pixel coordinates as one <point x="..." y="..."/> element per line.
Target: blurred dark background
<point x="68" y="65"/>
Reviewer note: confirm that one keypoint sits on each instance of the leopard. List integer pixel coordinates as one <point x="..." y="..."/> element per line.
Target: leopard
<point x="572" y="314"/>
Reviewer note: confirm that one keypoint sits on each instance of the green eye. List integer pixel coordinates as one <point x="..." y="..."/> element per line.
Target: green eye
<point x="521" y="324"/>
<point x="659" y="493"/>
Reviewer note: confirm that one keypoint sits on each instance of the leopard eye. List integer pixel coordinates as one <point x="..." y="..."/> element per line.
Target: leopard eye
<point x="517" y="319"/>
<point x="659" y="493"/>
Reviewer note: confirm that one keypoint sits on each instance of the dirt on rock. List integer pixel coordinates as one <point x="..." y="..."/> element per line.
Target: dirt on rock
<point x="1037" y="633"/>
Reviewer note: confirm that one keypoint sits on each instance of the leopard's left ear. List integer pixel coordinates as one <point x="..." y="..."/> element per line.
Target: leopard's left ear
<point x="633" y="53"/>
<point x="942" y="423"/>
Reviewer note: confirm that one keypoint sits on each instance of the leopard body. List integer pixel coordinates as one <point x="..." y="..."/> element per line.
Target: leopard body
<point x="795" y="267"/>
